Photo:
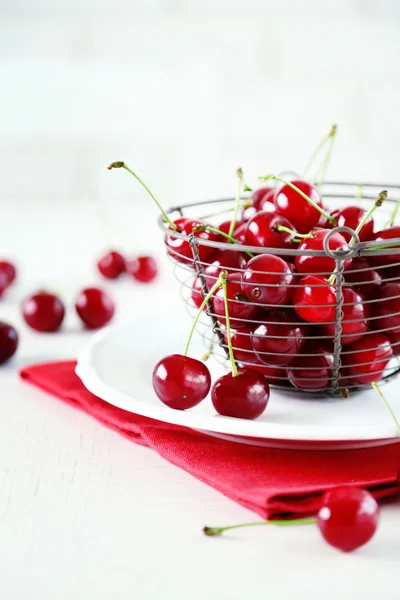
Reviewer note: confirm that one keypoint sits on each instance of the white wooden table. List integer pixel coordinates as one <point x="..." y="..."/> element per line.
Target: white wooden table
<point x="86" y="514"/>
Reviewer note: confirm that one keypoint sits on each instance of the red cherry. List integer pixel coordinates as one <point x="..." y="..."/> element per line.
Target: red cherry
<point x="272" y="373"/>
<point x="226" y="226"/>
<point x="230" y="260"/>
<point x="240" y="310"/>
<point x="386" y="235"/>
<point x="179" y="249"/>
<point x="181" y="382"/>
<point x="387" y="310"/>
<point x="363" y="277"/>
<point x="314" y="300"/>
<point x="143" y="268"/>
<point x="43" y="312"/>
<point x="240" y="233"/>
<point x="320" y="264"/>
<point x="312" y="372"/>
<point x="355" y="320"/>
<point x="241" y="344"/>
<point x="298" y="211"/>
<point x="280" y="338"/>
<point x="267" y="279"/>
<point x="196" y="293"/>
<point x="94" y="307"/>
<point x="8" y="342"/>
<point x="367" y="358"/>
<point x="112" y="265"/>
<point x="351" y="216"/>
<point x="348" y="517"/>
<point x="244" y="397"/>
<point x="4" y="283"/>
<point x="258" y="195"/>
<point x="9" y="270"/>
<point x="261" y="231"/>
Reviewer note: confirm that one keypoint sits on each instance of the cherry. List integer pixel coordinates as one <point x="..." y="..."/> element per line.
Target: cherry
<point x="312" y="372"/>
<point x="225" y="226"/>
<point x="386" y="235"/>
<point x="240" y="309"/>
<point x="94" y="307"/>
<point x="230" y="260"/>
<point x="363" y="277"/>
<point x="143" y="268"/>
<point x="240" y="233"/>
<point x="241" y="344"/>
<point x="8" y="342"/>
<point x="259" y="194"/>
<point x="196" y="293"/>
<point x="180" y="249"/>
<point x="320" y="264"/>
<point x="351" y="216"/>
<point x="244" y="396"/>
<point x="387" y="310"/>
<point x="314" y="300"/>
<point x="181" y="382"/>
<point x="355" y="320"/>
<point x="278" y="339"/>
<point x="348" y="517"/>
<point x="43" y="312"/>
<point x="271" y="372"/>
<point x="367" y="358"/>
<point x="261" y="231"/>
<point x="267" y="279"/>
<point x="111" y="265"/>
<point x="295" y="208"/>
<point x="266" y="204"/>
<point x="9" y="269"/>
<point x="4" y="283"/>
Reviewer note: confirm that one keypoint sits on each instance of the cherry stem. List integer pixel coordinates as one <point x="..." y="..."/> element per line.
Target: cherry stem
<point x="239" y="176"/>
<point x="386" y="403"/>
<point x="119" y="164"/>
<point x="198" y="228"/>
<point x="318" y="149"/>
<point x="228" y="324"/>
<point x="302" y="194"/>
<point x="381" y="197"/>
<point x="324" y="167"/>
<point x="212" y="531"/>
<point x="207" y="355"/>
<point x="359" y="193"/>
<point x="214" y="288"/>
<point x="394" y="214"/>
<point x="282" y="228"/>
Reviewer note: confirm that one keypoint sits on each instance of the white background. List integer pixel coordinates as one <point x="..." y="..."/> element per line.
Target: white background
<point x="184" y="92"/>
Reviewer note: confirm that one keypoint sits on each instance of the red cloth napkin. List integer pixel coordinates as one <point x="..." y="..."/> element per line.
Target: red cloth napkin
<point x="273" y="483"/>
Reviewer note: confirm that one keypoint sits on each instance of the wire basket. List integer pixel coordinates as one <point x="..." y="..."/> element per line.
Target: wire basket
<point x="326" y="358"/>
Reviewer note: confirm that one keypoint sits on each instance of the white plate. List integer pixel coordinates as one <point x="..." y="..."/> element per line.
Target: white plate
<point x="117" y="366"/>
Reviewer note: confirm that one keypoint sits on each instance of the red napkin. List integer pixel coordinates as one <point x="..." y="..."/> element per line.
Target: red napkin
<point x="273" y="483"/>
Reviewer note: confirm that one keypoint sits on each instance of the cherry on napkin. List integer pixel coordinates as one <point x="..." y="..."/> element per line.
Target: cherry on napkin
<point x="273" y="483"/>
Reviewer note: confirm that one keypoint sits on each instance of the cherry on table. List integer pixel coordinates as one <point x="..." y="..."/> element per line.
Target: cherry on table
<point x="239" y="307"/>
<point x="262" y="231"/>
<point x="244" y="396"/>
<point x="351" y="216"/>
<point x="315" y="300"/>
<point x="4" y="283"/>
<point x="356" y="317"/>
<point x="278" y="339"/>
<point x="181" y="382"/>
<point x="312" y="372"/>
<point x="94" y="307"/>
<point x="363" y="277"/>
<point x="365" y="360"/>
<point x="348" y="517"/>
<point x="267" y="280"/>
<point x="9" y="270"/>
<point x="295" y="208"/>
<point x="43" y="312"/>
<point x="320" y="264"/>
<point x="111" y="265"/>
<point x="8" y="342"/>
<point x="143" y="268"/>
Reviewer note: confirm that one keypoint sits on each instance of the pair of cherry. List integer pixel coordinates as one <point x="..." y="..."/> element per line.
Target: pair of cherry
<point x="347" y="519"/>
<point x="142" y="268"/>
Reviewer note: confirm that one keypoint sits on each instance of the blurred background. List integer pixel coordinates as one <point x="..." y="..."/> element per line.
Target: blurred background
<point x="184" y="91"/>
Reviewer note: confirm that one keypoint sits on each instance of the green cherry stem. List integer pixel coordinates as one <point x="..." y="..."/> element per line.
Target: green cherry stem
<point x="214" y="288"/>
<point x="381" y="197"/>
<point x="224" y="277"/>
<point x="386" y="403"/>
<point x="301" y="236"/>
<point x="394" y="214"/>
<point x="198" y="228"/>
<point x="212" y="531"/>
<point x="119" y="164"/>
<point x="239" y="176"/>
<point x="318" y="149"/>
<point x="359" y="193"/>
<point x="324" y="167"/>
<point x="302" y="194"/>
<point x="207" y="355"/>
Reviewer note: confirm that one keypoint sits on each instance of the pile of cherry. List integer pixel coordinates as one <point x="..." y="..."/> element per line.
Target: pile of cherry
<point x="282" y="308"/>
<point x="45" y="312"/>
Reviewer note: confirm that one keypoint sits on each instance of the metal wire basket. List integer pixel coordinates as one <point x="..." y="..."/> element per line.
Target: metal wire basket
<point x="329" y="355"/>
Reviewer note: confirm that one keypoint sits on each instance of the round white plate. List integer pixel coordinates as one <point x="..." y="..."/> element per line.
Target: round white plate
<point x="117" y="366"/>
